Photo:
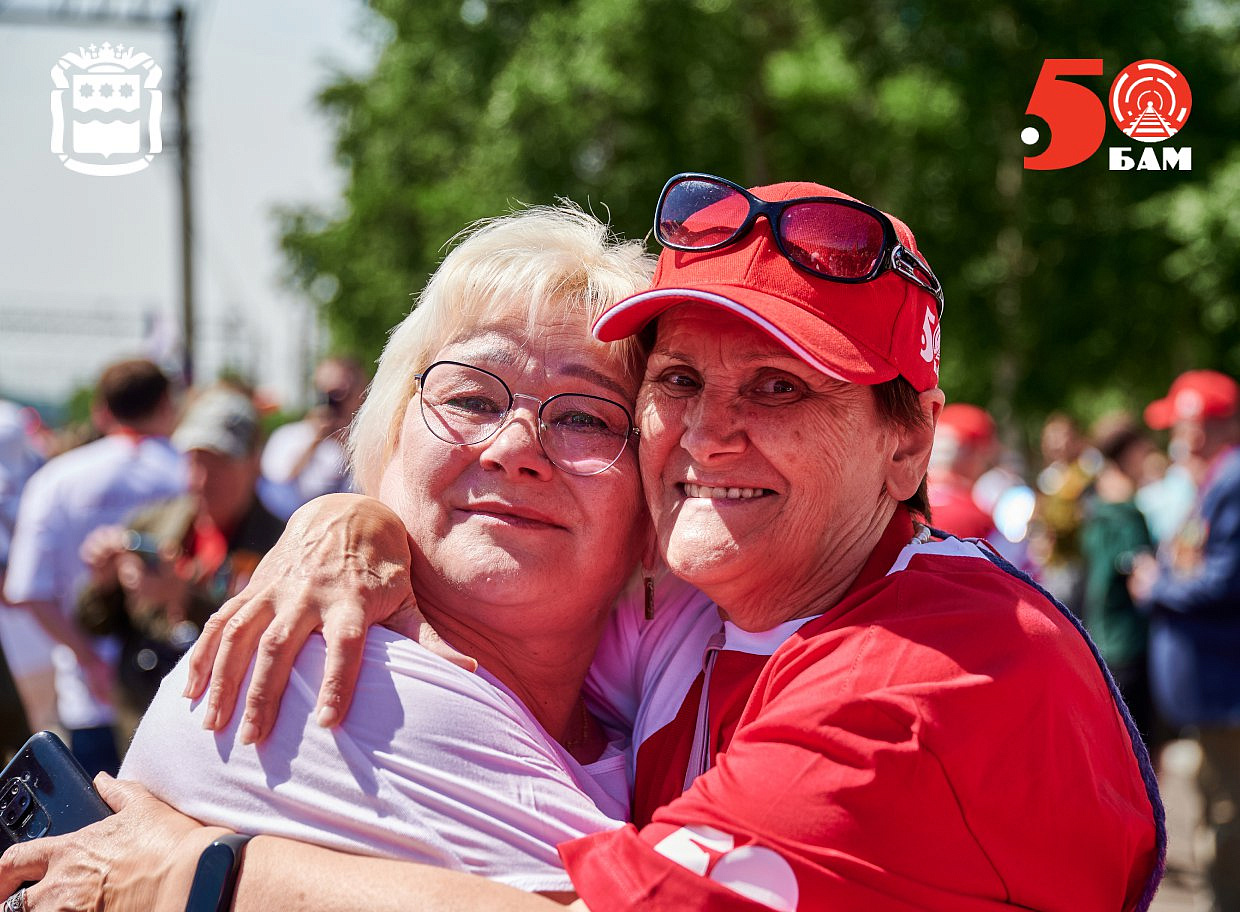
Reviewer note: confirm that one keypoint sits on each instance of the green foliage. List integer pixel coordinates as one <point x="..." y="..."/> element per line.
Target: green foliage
<point x="1204" y="222"/>
<point x="1064" y="288"/>
<point x="77" y="407"/>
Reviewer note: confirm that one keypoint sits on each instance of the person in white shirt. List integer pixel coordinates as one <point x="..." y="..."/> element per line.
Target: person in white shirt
<point x="306" y="458"/>
<point x="98" y="483"/>
<point x="25" y="651"/>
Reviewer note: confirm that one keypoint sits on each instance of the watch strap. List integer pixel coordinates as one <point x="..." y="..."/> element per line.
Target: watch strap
<point x="215" y="879"/>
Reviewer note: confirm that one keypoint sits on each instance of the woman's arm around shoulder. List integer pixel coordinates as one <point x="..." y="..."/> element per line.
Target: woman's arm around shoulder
<point x="143" y="859"/>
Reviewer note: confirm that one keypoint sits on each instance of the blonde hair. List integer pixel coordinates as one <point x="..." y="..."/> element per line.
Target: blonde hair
<point x="543" y="262"/>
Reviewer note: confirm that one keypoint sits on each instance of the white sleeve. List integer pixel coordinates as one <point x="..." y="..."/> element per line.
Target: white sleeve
<point x="279" y="493"/>
<point x="433" y="764"/>
<point x="37" y="534"/>
<point x="285" y="446"/>
<point x="633" y="645"/>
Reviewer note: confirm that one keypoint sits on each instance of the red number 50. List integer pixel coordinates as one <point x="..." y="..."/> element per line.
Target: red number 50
<point x="1074" y="113"/>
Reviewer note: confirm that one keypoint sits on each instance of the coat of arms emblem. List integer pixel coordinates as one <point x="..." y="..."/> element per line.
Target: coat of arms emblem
<point x="106" y="108"/>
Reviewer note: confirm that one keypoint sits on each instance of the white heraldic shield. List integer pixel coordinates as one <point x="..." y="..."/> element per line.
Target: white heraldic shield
<point x="106" y="109"/>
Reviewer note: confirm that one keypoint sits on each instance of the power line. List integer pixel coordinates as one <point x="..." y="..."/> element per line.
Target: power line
<point x="66" y="321"/>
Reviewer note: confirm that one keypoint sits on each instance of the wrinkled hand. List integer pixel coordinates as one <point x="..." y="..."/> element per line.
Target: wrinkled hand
<point x="342" y="565"/>
<point x="140" y="859"/>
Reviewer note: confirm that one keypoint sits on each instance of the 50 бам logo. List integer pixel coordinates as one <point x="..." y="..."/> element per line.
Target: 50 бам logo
<point x="1149" y="102"/>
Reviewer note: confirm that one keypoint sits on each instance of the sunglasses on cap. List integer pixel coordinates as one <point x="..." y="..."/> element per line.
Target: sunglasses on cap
<point x="840" y="240"/>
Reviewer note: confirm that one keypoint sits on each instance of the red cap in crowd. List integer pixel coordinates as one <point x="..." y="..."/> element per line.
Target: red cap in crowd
<point x="1194" y="396"/>
<point x="970" y="424"/>
<point x="866" y="333"/>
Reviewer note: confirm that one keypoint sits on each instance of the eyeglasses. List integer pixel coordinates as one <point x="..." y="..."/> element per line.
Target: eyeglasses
<point x="579" y="433"/>
<point x="837" y="239"/>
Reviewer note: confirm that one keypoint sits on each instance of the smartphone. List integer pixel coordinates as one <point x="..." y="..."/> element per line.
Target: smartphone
<point x="45" y="792"/>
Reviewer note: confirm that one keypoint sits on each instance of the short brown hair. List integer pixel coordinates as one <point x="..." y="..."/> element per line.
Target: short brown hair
<point x="133" y="389"/>
<point x="899" y="403"/>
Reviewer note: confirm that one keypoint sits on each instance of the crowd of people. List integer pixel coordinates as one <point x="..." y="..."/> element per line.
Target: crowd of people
<point x="116" y="546"/>
<point x="838" y="596"/>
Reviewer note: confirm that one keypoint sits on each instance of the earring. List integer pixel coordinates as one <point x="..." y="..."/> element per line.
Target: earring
<point x="648" y="584"/>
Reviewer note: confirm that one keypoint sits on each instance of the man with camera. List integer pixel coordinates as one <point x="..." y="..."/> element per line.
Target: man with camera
<point x="307" y="458"/>
<point x="155" y="580"/>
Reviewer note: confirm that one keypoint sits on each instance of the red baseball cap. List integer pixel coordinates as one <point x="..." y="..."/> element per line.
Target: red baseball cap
<point x="969" y="423"/>
<point x="866" y="333"/>
<point x="1194" y="396"/>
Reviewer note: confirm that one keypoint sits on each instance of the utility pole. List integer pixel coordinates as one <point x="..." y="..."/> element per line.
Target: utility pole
<point x="184" y="173"/>
<point x="175" y="19"/>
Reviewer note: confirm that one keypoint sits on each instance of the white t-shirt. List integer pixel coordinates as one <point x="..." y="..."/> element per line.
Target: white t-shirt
<point x="90" y="486"/>
<point x="643" y="668"/>
<point x="327" y="471"/>
<point x="432" y="764"/>
<point x="18" y="461"/>
<point x="646" y="673"/>
<point x="26" y="647"/>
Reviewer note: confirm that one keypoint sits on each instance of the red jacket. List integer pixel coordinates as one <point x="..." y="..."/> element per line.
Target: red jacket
<point x="942" y="739"/>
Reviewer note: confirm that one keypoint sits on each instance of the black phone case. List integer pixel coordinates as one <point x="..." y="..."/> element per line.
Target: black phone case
<point x="45" y="792"/>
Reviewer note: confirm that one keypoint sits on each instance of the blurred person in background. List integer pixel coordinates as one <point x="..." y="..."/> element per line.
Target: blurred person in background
<point x="18" y="461"/>
<point x="1007" y="496"/>
<point x="156" y="579"/>
<point x="1193" y="593"/>
<point x="965" y="447"/>
<point x="1113" y="535"/>
<point x="972" y="493"/>
<point x="306" y="458"/>
<point x="95" y="484"/>
<point x="1068" y="469"/>
<point x="1169" y="489"/>
<point x="19" y="458"/>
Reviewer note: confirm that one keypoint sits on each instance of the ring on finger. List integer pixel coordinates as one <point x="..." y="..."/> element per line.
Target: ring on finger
<point x="16" y="902"/>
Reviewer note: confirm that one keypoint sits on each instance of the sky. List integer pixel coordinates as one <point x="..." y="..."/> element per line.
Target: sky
<point x="90" y="265"/>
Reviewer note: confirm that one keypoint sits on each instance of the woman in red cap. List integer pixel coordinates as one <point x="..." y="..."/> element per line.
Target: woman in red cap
<point x="838" y="712"/>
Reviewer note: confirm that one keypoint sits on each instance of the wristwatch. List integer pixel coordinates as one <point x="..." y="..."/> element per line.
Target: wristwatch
<point x="216" y="876"/>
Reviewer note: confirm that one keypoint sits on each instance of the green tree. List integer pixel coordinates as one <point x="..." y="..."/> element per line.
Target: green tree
<point x="1065" y="288"/>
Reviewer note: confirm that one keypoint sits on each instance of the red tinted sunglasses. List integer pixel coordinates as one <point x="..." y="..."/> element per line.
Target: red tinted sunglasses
<point x="837" y="239"/>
